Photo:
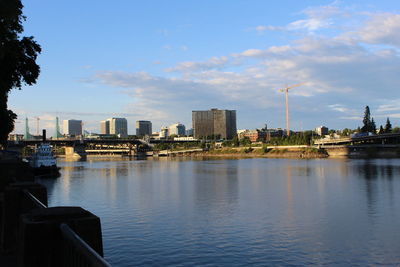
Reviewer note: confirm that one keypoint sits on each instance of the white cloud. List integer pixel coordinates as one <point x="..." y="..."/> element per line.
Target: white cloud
<point x="212" y="63"/>
<point x="263" y="28"/>
<point x="252" y="53"/>
<point x="310" y="25"/>
<point x="389" y="106"/>
<point x="279" y="49"/>
<point x="341" y="74"/>
<point x="317" y="18"/>
<point x="338" y="107"/>
<point x="383" y="28"/>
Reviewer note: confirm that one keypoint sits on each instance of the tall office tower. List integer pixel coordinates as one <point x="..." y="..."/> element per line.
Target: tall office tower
<point x="72" y="127"/>
<point x="215" y="122"/>
<point x="118" y="126"/>
<point x="105" y="127"/>
<point x="143" y="128"/>
<point x="177" y="129"/>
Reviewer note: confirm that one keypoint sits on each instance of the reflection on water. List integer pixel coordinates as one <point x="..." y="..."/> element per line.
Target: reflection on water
<point x="215" y="182"/>
<point x="239" y="212"/>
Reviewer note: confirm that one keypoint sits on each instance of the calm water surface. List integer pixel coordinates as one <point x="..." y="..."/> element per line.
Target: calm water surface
<point x="239" y="212"/>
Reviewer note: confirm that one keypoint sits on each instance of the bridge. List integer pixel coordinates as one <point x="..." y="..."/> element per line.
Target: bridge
<point x="370" y="139"/>
<point x="71" y="141"/>
<point x="83" y="147"/>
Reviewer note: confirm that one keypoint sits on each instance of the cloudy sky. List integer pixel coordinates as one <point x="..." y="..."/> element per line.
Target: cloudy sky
<point x="159" y="60"/>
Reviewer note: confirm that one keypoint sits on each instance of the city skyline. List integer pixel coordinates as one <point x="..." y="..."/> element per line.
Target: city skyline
<point x="158" y="64"/>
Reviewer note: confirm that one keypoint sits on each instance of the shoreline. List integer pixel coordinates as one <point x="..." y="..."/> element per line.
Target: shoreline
<point x="294" y="153"/>
<point x="275" y="152"/>
<point x="258" y="153"/>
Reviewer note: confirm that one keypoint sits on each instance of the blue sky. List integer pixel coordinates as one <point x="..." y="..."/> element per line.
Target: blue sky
<point x="159" y="60"/>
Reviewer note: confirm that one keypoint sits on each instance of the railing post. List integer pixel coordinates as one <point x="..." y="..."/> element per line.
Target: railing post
<point x="40" y="240"/>
<point x="14" y="204"/>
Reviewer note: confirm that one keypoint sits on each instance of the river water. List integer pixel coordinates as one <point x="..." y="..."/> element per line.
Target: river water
<point x="236" y="212"/>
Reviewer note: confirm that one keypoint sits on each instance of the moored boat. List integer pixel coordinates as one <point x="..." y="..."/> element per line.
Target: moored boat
<point x="43" y="161"/>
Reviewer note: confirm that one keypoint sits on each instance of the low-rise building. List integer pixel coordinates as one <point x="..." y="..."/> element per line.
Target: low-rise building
<point x="254" y="135"/>
<point x="15" y="137"/>
<point x="240" y="131"/>
<point x="276" y="132"/>
<point x="188" y="138"/>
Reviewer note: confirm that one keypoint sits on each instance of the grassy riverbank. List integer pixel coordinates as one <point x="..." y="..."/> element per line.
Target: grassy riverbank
<point x="264" y="152"/>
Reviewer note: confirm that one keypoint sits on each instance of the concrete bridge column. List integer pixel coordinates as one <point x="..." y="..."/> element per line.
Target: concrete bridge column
<point x="132" y="149"/>
<point x="76" y="151"/>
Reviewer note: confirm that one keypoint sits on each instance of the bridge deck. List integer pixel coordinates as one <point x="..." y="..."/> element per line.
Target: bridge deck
<point x="349" y="140"/>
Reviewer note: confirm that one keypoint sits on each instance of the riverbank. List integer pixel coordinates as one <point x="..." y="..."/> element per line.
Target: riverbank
<point x="300" y="152"/>
<point x="261" y="152"/>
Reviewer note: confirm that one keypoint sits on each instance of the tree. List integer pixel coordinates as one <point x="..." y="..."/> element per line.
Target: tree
<point x="388" y="126"/>
<point x="372" y="127"/>
<point x="17" y="61"/>
<point x="235" y="141"/>
<point x="347" y="131"/>
<point x="381" y="130"/>
<point x="245" y="141"/>
<point x="265" y="128"/>
<point x="366" y="121"/>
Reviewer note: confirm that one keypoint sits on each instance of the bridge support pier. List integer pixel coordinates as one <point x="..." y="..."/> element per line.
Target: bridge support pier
<point x="76" y="151"/>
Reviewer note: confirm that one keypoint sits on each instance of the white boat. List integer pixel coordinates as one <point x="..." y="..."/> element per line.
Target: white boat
<point x="43" y="160"/>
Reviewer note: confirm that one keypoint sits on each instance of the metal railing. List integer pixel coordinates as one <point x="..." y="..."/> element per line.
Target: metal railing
<point x="77" y="253"/>
<point x="35" y="201"/>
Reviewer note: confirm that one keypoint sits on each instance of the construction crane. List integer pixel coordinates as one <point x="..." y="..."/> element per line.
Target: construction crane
<point x="37" y="125"/>
<point x="286" y="90"/>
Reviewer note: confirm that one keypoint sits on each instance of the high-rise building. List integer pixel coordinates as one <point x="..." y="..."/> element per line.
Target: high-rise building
<point x="72" y="127"/>
<point x="105" y="127"/>
<point x="322" y="130"/>
<point x="118" y="126"/>
<point x="214" y="122"/>
<point x="143" y="128"/>
<point x="189" y="132"/>
<point x="177" y="129"/>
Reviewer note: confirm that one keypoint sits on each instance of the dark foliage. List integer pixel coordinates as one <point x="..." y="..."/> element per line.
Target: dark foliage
<point x="381" y="130"/>
<point x="304" y="138"/>
<point x="388" y="126"/>
<point x="368" y="122"/>
<point x="17" y="61"/>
